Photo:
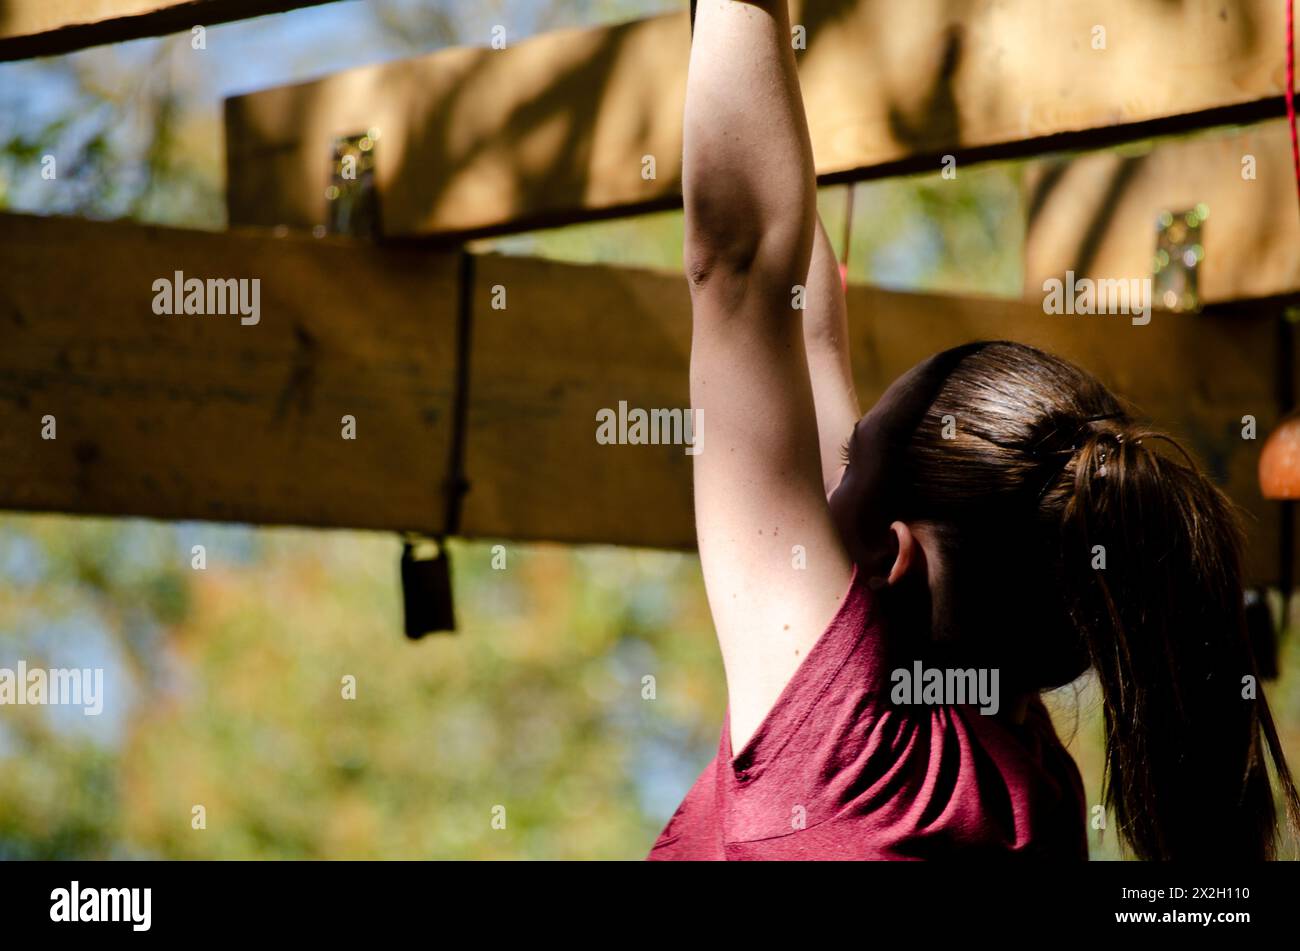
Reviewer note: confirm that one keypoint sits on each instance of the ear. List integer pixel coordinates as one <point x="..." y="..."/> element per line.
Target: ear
<point x="910" y="557"/>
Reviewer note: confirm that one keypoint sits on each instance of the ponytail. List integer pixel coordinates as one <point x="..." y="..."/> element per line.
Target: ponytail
<point x="1151" y="572"/>
<point x="1070" y="538"/>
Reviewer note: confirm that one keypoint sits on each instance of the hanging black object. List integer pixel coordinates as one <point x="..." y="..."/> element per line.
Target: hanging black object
<point x="353" y="208"/>
<point x="426" y="587"/>
<point x="426" y="566"/>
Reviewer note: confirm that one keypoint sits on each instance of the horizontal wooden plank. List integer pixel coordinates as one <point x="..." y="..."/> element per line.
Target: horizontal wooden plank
<point x="48" y="27"/>
<point x="574" y="339"/>
<point x="556" y="128"/>
<point x="202" y="417"/>
<point x="205" y="417"/>
<point x="1095" y="214"/>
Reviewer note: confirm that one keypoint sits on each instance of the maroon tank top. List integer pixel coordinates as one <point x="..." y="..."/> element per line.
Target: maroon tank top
<point x="836" y="771"/>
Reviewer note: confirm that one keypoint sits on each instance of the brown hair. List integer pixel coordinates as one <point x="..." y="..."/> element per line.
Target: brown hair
<point x="1072" y="537"/>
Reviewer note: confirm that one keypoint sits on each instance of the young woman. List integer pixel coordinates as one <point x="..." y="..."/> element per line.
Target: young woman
<point x="997" y="512"/>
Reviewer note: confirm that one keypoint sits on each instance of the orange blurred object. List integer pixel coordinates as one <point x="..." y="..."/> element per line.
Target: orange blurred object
<point x="1279" y="461"/>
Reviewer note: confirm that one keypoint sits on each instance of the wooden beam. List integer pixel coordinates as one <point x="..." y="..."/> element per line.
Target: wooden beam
<point x="49" y="27"/>
<point x="201" y="417"/>
<point x="556" y="128"/>
<point x="572" y="340"/>
<point x="191" y="417"/>
<point x="1095" y="214"/>
<point x="599" y="335"/>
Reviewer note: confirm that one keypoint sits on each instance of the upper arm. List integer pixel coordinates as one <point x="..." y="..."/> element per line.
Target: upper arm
<point x="774" y="567"/>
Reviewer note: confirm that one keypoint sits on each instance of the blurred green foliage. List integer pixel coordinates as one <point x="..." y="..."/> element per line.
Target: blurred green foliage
<point x="233" y="698"/>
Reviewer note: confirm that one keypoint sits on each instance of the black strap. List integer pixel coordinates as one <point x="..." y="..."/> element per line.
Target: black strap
<point x="426" y="582"/>
<point x="457" y="485"/>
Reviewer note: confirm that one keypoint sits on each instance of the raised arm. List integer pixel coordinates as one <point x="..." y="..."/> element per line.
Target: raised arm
<point x="774" y="566"/>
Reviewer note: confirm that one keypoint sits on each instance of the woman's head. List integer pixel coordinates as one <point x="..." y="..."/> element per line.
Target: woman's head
<point x="1041" y="531"/>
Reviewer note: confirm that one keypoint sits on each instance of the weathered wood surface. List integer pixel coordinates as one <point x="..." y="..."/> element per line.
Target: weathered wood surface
<point x="47" y="27"/>
<point x="555" y="128"/>
<point x="203" y="417"/>
<point x="200" y="417"/>
<point x="1095" y="214"/>
<point x="572" y="340"/>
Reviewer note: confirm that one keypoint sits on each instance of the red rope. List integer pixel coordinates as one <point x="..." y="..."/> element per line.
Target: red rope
<point x="1290" y="91"/>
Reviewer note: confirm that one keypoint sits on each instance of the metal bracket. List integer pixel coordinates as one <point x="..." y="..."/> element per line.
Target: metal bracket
<point x="351" y="198"/>
<point x="1179" y="253"/>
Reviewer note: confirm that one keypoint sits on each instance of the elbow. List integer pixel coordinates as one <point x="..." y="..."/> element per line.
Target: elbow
<point x="721" y="238"/>
<point x="710" y="258"/>
<point x="744" y="255"/>
<point x="738" y="233"/>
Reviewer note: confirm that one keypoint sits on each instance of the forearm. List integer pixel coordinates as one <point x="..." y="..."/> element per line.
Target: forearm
<point x="826" y="341"/>
<point x="747" y="172"/>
